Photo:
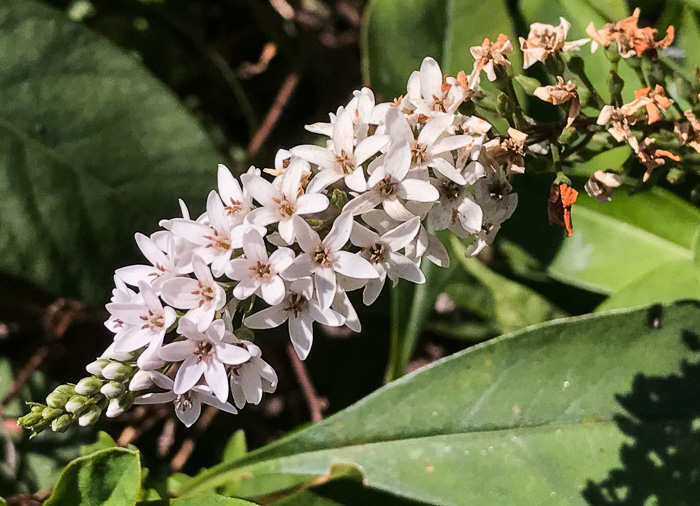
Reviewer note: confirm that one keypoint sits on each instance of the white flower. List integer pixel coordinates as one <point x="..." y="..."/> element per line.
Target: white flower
<point x="495" y="196"/>
<point x="204" y="354"/>
<point x="148" y="322"/>
<point x="202" y="296"/>
<point x="389" y="182"/>
<point x="282" y="202"/>
<point x="237" y="202"/>
<point x="164" y="264"/>
<point x="430" y="149"/>
<point x="215" y="241"/>
<point x="456" y="209"/>
<point x="188" y="406"/>
<point x="250" y="379"/>
<point x="430" y="92"/>
<point x="382" y="252"/>
<point x="323" y="258"/>
<point x="342" y="159"/>
<point x="257" y="273"/>
<point x="362" y="110"/>
<point x="425" y="243"/>
<point x="301" y="311"/>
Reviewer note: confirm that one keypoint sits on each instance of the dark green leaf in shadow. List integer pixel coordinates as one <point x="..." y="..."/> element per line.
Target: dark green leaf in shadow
<point x="92" y="149"/>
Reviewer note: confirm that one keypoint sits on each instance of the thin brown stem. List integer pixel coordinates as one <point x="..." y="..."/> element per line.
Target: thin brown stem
<point x="273" y="114"/>
<point x="316" y="404"/>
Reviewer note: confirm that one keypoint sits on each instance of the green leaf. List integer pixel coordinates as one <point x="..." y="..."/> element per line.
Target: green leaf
<point x="608" y="159"/>
<point x="689" y="40"/>
<point x="398" y="35"/>
<point x="516" y="306"/>
<point x="236" y="447"/>
<point x="620" y="241"/>
<point x="92" y="149"/>
<point x="671" y="281"/>
<point x="210" y="500"/>
<point x="549" y="413"/>
<point x="110" y="477"/>
<point x="103" y="442"/>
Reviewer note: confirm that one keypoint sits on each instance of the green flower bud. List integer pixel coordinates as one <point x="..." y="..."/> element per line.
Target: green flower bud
<point x="51" y="413"/>
<point x="88" y="386"/>
<point x="38" y="408"/>
<point x="57" y="399"/>
<point x="61" y="423"/>
<point x="338" y="198"/>
<point x="76" y="403"/>
<point x="29" y="420"/>
<point x="528" y="83"/>
<point x="97" y="366"/>
<point x="66" y="389"/>
<point x="113" y="389"/>
<point x="118" y="406"/>
<point x="117" y="371"/>
<point x="244" y="333"/>
<point x="612" y="54"/>
<point x="90" y="416"/>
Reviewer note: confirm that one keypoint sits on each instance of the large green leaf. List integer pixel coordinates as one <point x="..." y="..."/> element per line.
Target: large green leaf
<point x="398" y="35"/>
<point x="544" y="415"/>
<point x="620" y="241"/>
<point x="110" y="477"/>
<point x="92" y="149"/>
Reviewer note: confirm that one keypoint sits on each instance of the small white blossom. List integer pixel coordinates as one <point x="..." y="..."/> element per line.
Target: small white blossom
<point x="343" y="159"/>
<point x="323" y="258"/>
<point x="382" y="252"/>
<point x="256" y="272"/>
<point x="250" y="379"/>
<point x="390" y="182"/>
<point x="201" y="296"/>
<point x="431" y="148"/>
<point x="203" y="354"/>
<point x="148" y="322"/>
<point x="283" y="201"/>
<point x="188" y="405"/>
<point x="301" y="311"/>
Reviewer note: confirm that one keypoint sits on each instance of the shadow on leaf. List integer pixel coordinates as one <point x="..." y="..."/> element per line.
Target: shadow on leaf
<point x="660" y="463"/>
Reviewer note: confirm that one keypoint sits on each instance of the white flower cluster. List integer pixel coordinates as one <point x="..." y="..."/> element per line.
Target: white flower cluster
<point x="410" y="166"/>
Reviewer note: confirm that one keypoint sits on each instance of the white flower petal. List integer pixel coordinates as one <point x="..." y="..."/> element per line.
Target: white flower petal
<point x="353" y="265"/>
<point x="312" y="203"/>
<point x="273" y="291"/>
<point x="340" y="232"/>
<point x="417" y="190"/>
<point x="188" y="375"/>
<point x="307" y="237"/>
<point x="268" y="318"/>
<point x="324" y="281"/>
<point x="301" y="334"/>
<point x="216" y="377"/>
